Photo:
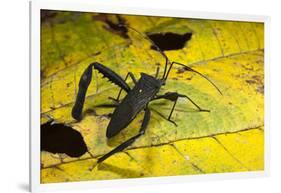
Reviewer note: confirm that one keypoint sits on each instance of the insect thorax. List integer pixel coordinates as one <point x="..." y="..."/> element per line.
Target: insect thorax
<point x="147" y="86"/>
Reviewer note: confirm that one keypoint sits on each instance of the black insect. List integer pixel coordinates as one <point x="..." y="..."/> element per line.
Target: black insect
<point x="137" y="99"/>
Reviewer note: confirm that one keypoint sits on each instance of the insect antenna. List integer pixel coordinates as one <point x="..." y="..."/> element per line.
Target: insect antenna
<point x="192" y="70"/>
<point x="153" y="44"/>
<point x="166" y="73"/>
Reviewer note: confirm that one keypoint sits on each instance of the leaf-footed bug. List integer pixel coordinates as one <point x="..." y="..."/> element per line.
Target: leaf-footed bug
<point x="137" y="99"/>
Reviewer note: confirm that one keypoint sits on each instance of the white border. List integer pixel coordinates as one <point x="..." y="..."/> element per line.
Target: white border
<point x="35" y="7"/>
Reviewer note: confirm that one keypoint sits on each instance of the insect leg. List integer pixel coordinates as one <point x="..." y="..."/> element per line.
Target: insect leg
<point x="111" y="76"/>
<point x="173" y="96"/>
<point x="131" y="140"/>
<point x="119" y="94"/>
<point x="85" y="81"/>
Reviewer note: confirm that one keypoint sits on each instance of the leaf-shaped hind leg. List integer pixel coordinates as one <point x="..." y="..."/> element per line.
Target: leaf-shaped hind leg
<point x="131" y="140"/>
<point x="134" y="81"/>
<point x="111" y="76"/>
<point x="85" y="81"/>
<point x="173" y="96"/>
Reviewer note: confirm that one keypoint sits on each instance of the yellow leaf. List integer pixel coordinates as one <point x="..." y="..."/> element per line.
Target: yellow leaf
<point x="229" y="138"/>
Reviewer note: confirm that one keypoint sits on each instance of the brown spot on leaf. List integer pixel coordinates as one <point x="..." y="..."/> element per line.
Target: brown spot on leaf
<point x="180" y="70"/>
<point x="248" y="67"/>
<point x="251" y="81"/>
<point x="260" y="89"/>
<point x="116" y="27"/>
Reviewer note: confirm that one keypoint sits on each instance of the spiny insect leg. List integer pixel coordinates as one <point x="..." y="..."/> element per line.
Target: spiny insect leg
<point x="111" y="76"/>
<point x="85" y="81"/>
<point x="119" y="94"/>
<point x="131" y="140"/>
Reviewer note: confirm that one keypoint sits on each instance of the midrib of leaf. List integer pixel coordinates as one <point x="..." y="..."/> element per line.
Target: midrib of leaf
<point x="166" y="143"/>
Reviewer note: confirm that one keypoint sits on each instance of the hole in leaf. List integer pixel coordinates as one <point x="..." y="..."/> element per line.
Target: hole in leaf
<point x="169" y="40"/>
<point x="59" y="138"/>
